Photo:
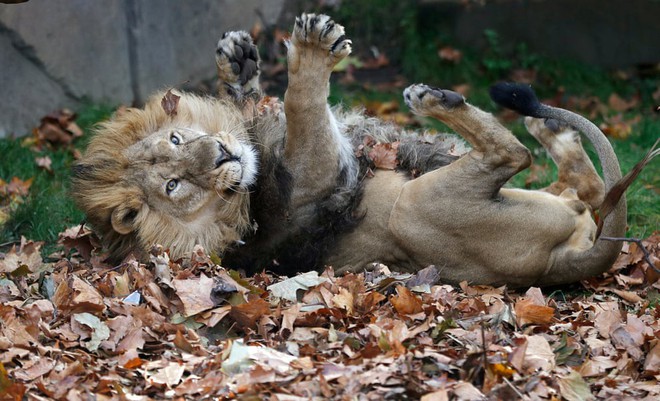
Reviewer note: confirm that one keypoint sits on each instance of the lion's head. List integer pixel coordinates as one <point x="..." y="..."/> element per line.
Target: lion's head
<point x="178" y="179"/>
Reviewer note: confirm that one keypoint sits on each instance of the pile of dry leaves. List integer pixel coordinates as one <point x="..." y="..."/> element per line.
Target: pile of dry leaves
<point x="166" y="330"/>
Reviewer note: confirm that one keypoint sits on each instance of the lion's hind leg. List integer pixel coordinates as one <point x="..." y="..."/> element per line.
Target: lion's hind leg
<point x="496" y="154"/>
<point x="576" y="171"/>
<point x="237" y="59"/>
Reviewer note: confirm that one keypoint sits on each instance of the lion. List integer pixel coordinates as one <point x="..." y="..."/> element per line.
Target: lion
<point x="292" y="186"/>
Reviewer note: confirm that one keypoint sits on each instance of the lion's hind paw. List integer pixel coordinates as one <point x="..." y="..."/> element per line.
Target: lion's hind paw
<point x="421" y="99"/>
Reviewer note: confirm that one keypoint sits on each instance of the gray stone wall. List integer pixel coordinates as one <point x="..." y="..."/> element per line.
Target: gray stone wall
<point x="56" y="54"/>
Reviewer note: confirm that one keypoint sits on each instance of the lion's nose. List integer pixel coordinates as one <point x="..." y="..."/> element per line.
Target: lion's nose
<point x="224" y="156"/>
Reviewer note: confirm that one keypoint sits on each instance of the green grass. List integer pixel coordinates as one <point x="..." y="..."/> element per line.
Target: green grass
<point x="48" y="209"/>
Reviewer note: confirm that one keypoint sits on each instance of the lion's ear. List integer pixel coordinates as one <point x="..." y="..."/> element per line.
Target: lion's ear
<point x="124" y="217"/>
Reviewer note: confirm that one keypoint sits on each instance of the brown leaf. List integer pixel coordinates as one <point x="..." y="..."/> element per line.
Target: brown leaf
<point x="15" y="187"/>
<point x="8" y="389"/>
<point x="344" y="300"/>
<point x="75" y="295"/>
<point x="289" y="317"/>
<point x="384" y="155"/>
<point x="439" y="395"/>
<point x="617" y="127"/>
<point x="538" y="355"/>
<point x="450" y="54"/>
<point x="34" y="369"/>
<point x="629" y="296"/>
<point x="170" y="103"/>
<point x="652" y="361"/>
<point x="623" y="340"/>
<point x="25" y="259"/>
<point x="80" y="238"/>
<point x="247" y="314"/>
<point x="195" y="294"/>
<point x="527" y="312"/>
<point x="128" y="347"/>
<point x="426" y="277"/>
<point x="58" y="128"/>
<point x="405" y="302"/>
<point x="619" y="104"/>
<point x="44" y="163"/>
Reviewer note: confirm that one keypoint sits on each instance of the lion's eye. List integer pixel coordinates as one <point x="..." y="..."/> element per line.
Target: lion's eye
<point x="175" y="139"/>
<point x="171" y="186"/>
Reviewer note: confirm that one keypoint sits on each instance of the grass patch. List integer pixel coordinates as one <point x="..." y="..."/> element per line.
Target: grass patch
<point x="48" y="208"/>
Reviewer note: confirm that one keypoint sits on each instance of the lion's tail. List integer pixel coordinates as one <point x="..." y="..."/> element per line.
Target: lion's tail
<point x="600" y="257"/>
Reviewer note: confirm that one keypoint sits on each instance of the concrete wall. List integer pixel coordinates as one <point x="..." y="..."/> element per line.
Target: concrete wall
<point x="56" y="54"/>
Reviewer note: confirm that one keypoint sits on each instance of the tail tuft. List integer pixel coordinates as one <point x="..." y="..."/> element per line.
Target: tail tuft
<point x="515" y="96"/>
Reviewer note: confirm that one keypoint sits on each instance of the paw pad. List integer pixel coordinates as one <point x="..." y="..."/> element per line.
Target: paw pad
<point x="237" y="57"/>
<point x="419" y="97"/>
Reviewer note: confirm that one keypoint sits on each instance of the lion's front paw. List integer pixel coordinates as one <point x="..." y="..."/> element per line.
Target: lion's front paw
<point x="237" y="59"/>
<point x="423" y="99"/>
<point x="317" y="36"/>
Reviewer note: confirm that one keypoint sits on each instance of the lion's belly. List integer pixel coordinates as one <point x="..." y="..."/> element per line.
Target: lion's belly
<point x="511" y="240"/>
<point x="371" y="241"/>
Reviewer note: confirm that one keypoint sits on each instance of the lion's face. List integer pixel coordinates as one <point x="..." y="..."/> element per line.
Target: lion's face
<point x="185" y="172"/>
<point x="150" y="178"/>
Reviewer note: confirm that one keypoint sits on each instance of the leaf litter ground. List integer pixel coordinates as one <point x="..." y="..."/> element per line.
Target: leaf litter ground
<point x="170" y="330"/>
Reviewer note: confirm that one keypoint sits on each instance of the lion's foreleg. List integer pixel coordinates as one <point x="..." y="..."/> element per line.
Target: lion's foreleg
<point x="237" y="59"/>
<point x="315" y="149"/>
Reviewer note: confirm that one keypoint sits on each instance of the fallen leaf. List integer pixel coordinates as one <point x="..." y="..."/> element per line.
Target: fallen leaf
<point x="405" y="302"/>
<point x="617" y="127"/>
<point x="195" y="294"/>
<point x="169" y="375"/>
<point x="440" y="395"/>
<point x="527" y="312"/>
<point x="629" y="296"/>
<point x="538" y="355"/>
<point x="58" y="128"/>
<point x="170" y="103"/>
<point x="100" y="331"/>
<point x="574" y="388"/>
<point x="27" y="257"/>
<point x="619" y="104"/>
<point x="652" y="361"/>
<point x="247" y="314"/>
<point x="243" y="357"/>
<point x="288" y="288"/>
<point x="450" y="54"/>
<point x="384" y="155"/>
<point x="80" y="238"/>
<point x="75" y="295"/>
<point x="45" y="163"/>
<point x="344" y="300"/>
